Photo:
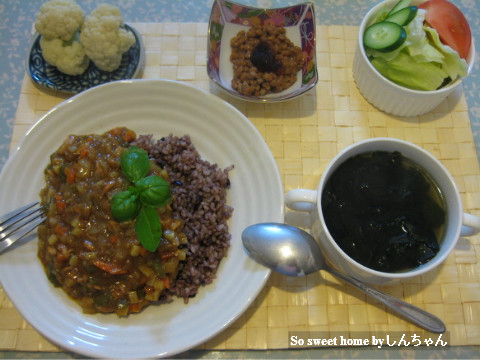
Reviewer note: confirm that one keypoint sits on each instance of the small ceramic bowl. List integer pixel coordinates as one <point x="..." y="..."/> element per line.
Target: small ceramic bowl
<point x="385" y="94"/>
<point x="48" y="76"/>
<point x="228" y="18"/>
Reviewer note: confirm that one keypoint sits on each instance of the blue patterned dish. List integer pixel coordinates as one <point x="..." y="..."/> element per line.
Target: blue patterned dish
<point x="49" y="77"/>
<point x="228" y="17"/>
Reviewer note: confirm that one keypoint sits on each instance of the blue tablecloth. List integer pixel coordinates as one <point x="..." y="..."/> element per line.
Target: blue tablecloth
<point x="16" y="19"/>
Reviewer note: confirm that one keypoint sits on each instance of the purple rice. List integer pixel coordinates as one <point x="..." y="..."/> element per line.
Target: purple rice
<point x="199" y="192"/>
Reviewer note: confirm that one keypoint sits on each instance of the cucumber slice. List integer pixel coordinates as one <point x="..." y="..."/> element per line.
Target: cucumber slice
<point x="384" y="36"/>
<point x="399" y="6"/>
<point x="404" y="16"/>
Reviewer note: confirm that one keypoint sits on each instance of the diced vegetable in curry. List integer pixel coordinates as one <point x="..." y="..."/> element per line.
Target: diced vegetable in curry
<point x="97" y="260"/>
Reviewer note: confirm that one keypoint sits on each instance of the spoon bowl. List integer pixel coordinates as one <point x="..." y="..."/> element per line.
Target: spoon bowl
<point x="285" y="249"/>
<point x="291" y="251"/>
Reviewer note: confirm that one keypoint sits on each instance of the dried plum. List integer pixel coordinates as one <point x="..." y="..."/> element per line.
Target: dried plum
<point x="264" y="59"/>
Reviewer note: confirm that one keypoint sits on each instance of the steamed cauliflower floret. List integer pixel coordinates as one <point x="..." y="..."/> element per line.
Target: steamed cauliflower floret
<point x="104" y="38"/>
<point x="68" y="57"/>
<point x="59" y="19"/>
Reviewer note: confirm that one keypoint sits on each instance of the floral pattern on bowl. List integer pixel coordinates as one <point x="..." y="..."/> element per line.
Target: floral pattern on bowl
<point x="227" y="18"/>
<point x="49" y="77"/>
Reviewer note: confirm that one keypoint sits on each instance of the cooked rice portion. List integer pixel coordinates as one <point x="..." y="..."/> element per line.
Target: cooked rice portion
<point x="199" y="191"/>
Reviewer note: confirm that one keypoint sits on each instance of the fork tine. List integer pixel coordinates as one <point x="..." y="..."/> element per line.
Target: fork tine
<point x="19" y="223"/>
<point x="21" y="233"/>
<point x="5" y="219"/>
<point x="16" y="217"/>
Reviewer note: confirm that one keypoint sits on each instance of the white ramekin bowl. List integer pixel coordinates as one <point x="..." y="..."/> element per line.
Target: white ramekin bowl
<point x="385" y="94"/>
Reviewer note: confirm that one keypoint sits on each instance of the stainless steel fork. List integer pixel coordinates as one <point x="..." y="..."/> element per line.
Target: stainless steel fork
<point x="19" y="223"/>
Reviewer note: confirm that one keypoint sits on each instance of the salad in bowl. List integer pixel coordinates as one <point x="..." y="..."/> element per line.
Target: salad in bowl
<point x="422" y="47"/>
<point x="412" y="54"/>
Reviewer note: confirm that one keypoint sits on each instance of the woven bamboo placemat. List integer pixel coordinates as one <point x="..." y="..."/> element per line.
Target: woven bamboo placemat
<point x="303" y="135"/>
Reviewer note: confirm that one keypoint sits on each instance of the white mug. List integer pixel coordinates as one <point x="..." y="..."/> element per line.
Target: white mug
<point x="457" y="224"/>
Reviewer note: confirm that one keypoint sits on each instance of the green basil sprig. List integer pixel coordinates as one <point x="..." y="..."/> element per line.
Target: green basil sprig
<point x="139" y="201"/>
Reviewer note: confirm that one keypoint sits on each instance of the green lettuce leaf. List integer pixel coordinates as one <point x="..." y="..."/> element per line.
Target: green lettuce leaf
<point x="452" y="63"/>
<point x="418" y="45"/>
<point x="405" y="71"/>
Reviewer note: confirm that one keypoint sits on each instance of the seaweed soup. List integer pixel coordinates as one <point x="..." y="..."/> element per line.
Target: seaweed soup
<point x="384" y="211"/>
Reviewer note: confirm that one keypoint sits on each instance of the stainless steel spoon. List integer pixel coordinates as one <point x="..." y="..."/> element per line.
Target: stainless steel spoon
<point x="291" y="251"/>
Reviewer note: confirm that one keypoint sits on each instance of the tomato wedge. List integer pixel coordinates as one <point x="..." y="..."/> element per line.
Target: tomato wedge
<point x="450" y="23"/>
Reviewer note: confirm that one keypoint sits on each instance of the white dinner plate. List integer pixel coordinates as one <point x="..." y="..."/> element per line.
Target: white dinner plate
<point x="222" y="135"/>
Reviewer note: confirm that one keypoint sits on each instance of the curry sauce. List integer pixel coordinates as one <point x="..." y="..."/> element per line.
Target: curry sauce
<point x="96" y="260"/>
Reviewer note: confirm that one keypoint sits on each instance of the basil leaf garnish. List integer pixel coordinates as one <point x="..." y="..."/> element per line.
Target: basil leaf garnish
<point x="148" y="228"/>
<point x="154" y="191"/>
<point x="140" y="200"/>
<point x="135" y="163"/>
<point x="125" y="205"/>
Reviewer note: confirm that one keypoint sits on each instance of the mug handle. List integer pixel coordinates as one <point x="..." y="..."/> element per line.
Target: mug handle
<point x="301" y="200"/>
<point x="470" y="226"/>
